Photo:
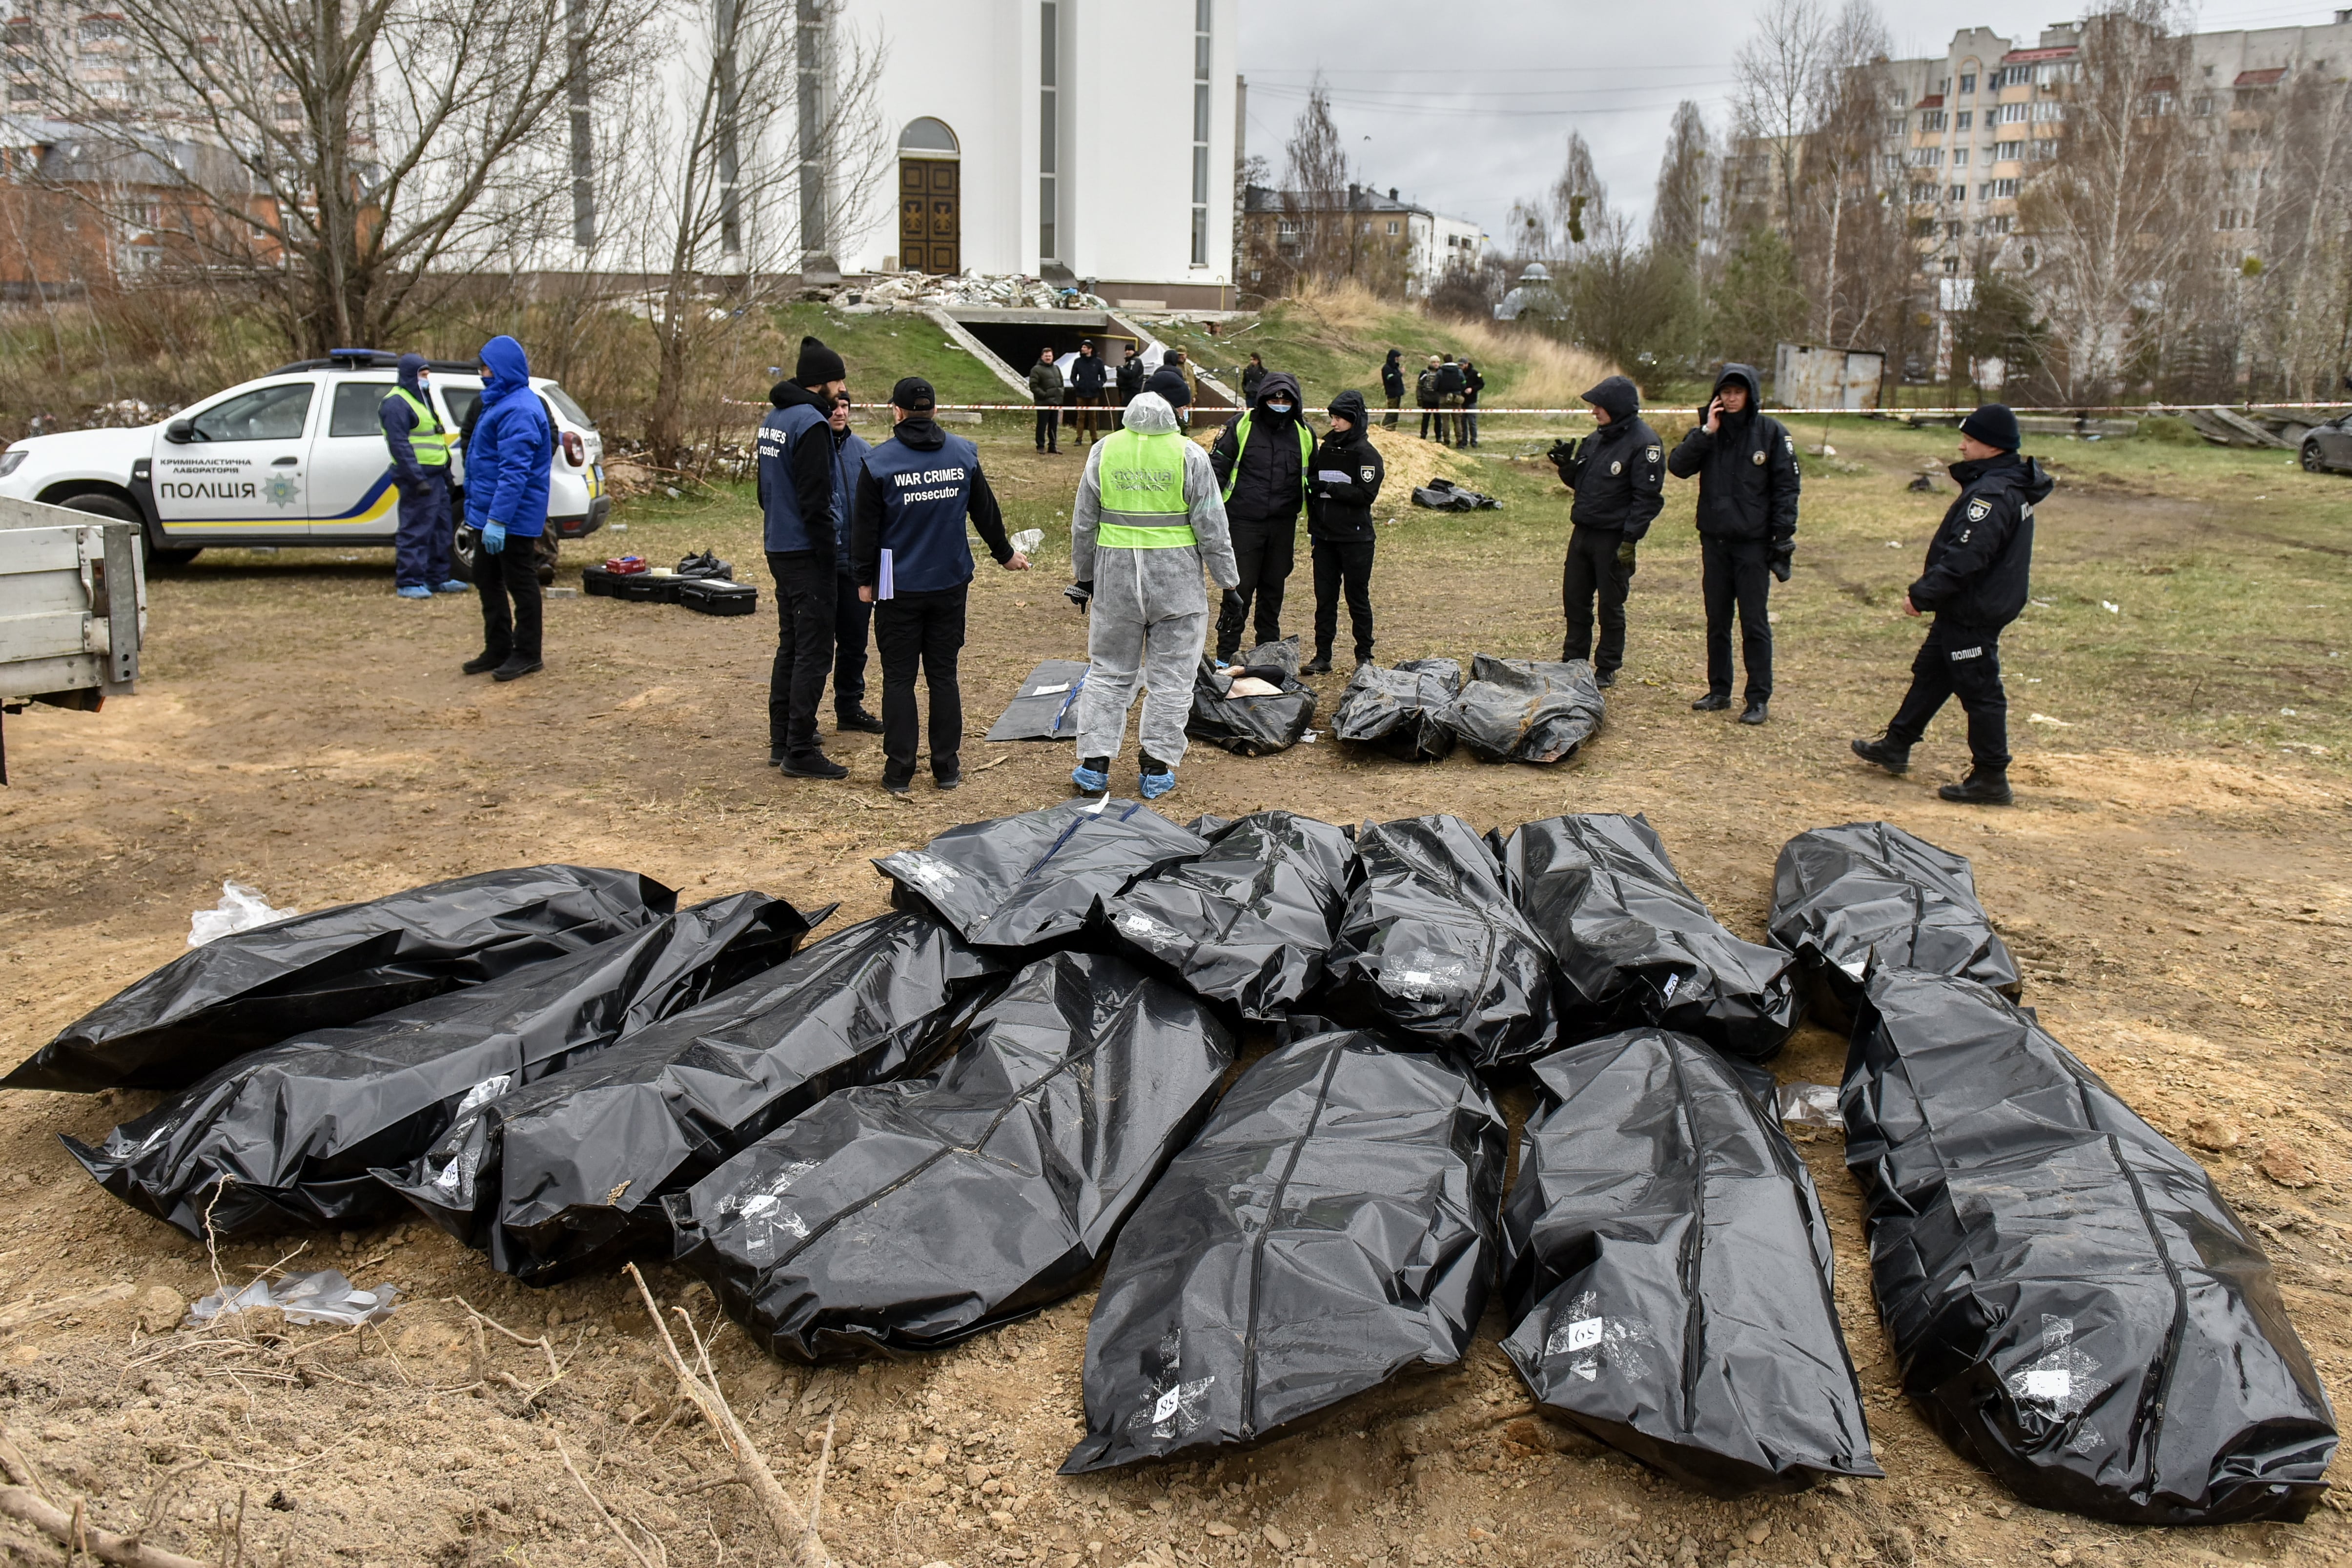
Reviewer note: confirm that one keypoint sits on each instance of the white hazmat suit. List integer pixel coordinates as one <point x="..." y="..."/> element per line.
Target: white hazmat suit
<point x="1150" y="614"/>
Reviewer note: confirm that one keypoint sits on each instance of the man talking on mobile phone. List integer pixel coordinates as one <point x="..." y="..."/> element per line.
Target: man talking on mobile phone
<point x="1748" y="480"/>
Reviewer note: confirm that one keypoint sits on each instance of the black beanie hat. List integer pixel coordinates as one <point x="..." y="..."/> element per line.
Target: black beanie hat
<point x="818" y="365"/>
<point x="914" y="394"/>
<point x="1993" y="424"/>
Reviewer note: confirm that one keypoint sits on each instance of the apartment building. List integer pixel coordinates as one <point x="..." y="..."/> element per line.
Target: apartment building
<point x="1428" y="242"/>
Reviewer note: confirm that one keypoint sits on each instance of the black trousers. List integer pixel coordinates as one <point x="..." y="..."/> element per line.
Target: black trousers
<point x="1592" y="572"/>
<point x="1737" y="574"/>
<point x="804" y="609"/>
<point x="851" y="617"/>
<point x="1395" y="401"/>
<point x="1343" y="565"/>
<point x="925" y="629"/>
<point x="510" y="628"/>
<point x="1049" y="425"/>
<point x="1265" y="548"/>
<point x="1429" y="414"/>
<point x="1962" y="662"/>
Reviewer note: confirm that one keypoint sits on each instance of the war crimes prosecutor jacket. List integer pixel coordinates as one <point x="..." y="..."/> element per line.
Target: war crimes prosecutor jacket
<point x="1748" y="473"/>
<point x="1345" y="478"/>
<point x="914" y="492"/>
<point x="1619" y="472"/>
<point x="796" y="451"/>
<point x="1980" y="562"/>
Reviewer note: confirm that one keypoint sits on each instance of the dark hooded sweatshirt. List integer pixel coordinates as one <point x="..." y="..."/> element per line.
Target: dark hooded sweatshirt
<point x="1748" y="473"/>
<point x="1347" y="479"/>
<point x="1392" y="374"/>
<point x="1619" y="472"/>
<point x="1266" y="476"/>
<point x="1980" y="562"/>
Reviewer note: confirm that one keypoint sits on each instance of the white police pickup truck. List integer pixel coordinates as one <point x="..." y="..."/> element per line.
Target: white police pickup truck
<point x="296" y="457"/>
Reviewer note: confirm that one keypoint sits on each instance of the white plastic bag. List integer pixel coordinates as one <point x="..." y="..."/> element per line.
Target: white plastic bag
<point x="241" y="908"/>
<point x="1028" y="541"/>
<point x="325" y="1297"/>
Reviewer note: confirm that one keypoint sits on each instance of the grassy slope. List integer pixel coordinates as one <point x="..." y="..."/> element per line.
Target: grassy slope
<point x="2226" y="569"/>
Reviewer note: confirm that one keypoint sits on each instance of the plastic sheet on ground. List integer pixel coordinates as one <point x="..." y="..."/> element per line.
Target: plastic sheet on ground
<point x="1839" y="894"/>
<point x="2072" y="1304"/>
<point x="1524" y="710"/>
<point x="1046" y="705"/>
<point x="1442" y="495"/>
<point x="290" y="1133"/>
<point x="324" y="1297"/>
<point x="1019" y="882"/>
<point x="1332" y="1227"/>
<point x="1635" y="945"/>
<point x="1249" y="725"/>
<point x="571" y="1171"/>
<point x="1668" y="1272"/>
<point x="1430" y="945"/>
<point x="336" y="967"/>
<point x="1402" y="711"/>
<point x="1247" y="924"/>
<point x="909" y="1216"/>
<point x="241" y="908"/>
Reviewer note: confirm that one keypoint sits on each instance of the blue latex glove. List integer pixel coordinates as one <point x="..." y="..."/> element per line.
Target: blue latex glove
<point x="494" y="537"/>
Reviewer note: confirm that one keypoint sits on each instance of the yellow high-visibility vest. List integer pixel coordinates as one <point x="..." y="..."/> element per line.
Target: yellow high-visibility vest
<point x="1141" y="478"/>
<point x="429" y="441"/>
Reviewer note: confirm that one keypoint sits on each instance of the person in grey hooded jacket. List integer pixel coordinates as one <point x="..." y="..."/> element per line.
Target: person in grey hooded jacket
<point x="1148" y="517"/>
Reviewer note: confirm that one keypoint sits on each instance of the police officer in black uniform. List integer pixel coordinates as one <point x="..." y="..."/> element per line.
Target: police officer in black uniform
<point x="1344" y="484"/>
<point x="1618" y="475"/>
<point x="1748" y="481"/>
<point x="1980" y="569"/>
<point x="914" y="492"/>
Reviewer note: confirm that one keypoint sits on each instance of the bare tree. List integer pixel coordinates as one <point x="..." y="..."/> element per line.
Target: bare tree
<point x="338" y="156"/>
<point x="1331" y="236"/>
<point x="1550" y="228"/>
<point x="1684" y="217"/>
<point x="1778" y="80"/>
<point x="2302" y="202"/>
<point x="2122" y="212"/>
<point x="1856" y="264"/>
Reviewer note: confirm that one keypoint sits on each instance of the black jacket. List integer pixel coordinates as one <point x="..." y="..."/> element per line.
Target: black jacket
<point x="1130" y="376"/>
<point x="1088" y="374"/>
<point x="1347" y="479"/>
<point x="1619" y="472"/>
<point x="1168" y="380"/>
<point x="1980" y="562"/>
<point x="1267" y="478"/>
<point x="1748" y="473"/>
<point x="1449" y="380"/>
<point x="1253" y="377"/>
<point x="1473" y="384"/>
<point x="1392" y="374"/>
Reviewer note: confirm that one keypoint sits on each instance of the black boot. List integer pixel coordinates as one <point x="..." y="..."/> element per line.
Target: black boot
<point x="1714" y="701"/>
<point x="515" y="667"/>
<point x="1754" y="712"/>
<point x="1885" y="753"/>
<point x="812" y="765"/>
<point x="1321" y="664"/>
<point x="484" y="664"/>
<point x="856" y="721"/>
<point x="1983" y="787"/>
<point x="1604" y="679"/>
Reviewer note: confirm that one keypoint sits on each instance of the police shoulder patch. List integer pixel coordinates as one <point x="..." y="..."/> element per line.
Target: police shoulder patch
<point x="1979" y="509"/>
<point x="1653" y="453"/>
<point x="1367" y="471"/>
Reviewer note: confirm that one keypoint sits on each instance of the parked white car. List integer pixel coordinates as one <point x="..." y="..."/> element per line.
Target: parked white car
<point x="296" y="457"/>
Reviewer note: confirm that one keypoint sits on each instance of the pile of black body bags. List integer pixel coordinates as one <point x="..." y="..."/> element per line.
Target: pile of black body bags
<point x="944" y="1118"/>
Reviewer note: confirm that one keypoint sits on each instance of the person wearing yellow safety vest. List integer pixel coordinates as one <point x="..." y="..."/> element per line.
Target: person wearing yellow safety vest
<point x="419" y="441"/>
<point x="1262" y="460"/>
<point x="1148" y="517"/>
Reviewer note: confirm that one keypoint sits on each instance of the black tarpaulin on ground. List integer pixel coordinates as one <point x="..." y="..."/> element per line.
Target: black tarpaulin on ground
<point x="1046" y="705"/>
<point x="1249" y="725"/>
<point x="290" y="1133"/>
<point x="572" y="1169"/>
<point x="1401" y="711"/>
<point x="909" y="1216"/>
<point x="1430" y="945"/>
<point x="335" y="967"/>
<point x="1021" y="881"/>
<point x="2073" y="1305"/>
<point x="1246" y="926"/>
<point x="1523" y="710"/>
<point x="1444" y="495"/>
<point x="1330" y="1227"/>
<point x="1669" y="1272"/>
<point x="1840" y="893"/>
<point x="1635" y="945"/>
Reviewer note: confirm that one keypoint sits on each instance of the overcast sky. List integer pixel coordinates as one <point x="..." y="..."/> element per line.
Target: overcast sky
<point x="1466" y="104"/>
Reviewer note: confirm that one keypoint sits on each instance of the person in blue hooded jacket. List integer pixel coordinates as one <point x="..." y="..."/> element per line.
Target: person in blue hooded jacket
<point x="419" y="444"/>
<point x="507" y="461"/>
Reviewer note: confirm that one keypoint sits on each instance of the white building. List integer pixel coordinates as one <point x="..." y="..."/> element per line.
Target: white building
<point x="1431" y="242"/>
<point x="1091" y="137"/>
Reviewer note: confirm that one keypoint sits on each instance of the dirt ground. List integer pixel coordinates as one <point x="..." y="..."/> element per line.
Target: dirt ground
<point x="2180" y="905"/>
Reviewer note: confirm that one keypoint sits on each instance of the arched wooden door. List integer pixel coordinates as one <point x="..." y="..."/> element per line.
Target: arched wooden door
<point x="930" y="214"/>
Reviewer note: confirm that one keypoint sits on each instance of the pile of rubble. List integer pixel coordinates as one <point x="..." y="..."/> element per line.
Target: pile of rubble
<point x="971" y="288"/>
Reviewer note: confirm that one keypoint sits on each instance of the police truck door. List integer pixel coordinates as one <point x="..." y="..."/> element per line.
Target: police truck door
<point x="235" y="467"/>
<point x="352" y="493"/>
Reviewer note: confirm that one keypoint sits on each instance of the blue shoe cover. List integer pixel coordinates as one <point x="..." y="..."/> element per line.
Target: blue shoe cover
<point x="1155" y="785"/>
<point x="453" y="586"/>
<point x="1093" y="780"/>
<point x="413" y="591"/>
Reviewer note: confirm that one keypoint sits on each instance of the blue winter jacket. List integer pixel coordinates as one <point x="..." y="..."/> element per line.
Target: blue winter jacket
<point x="512" y="447"/>
<point x="399" y="422"/>
<point x="848" y="461"/>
